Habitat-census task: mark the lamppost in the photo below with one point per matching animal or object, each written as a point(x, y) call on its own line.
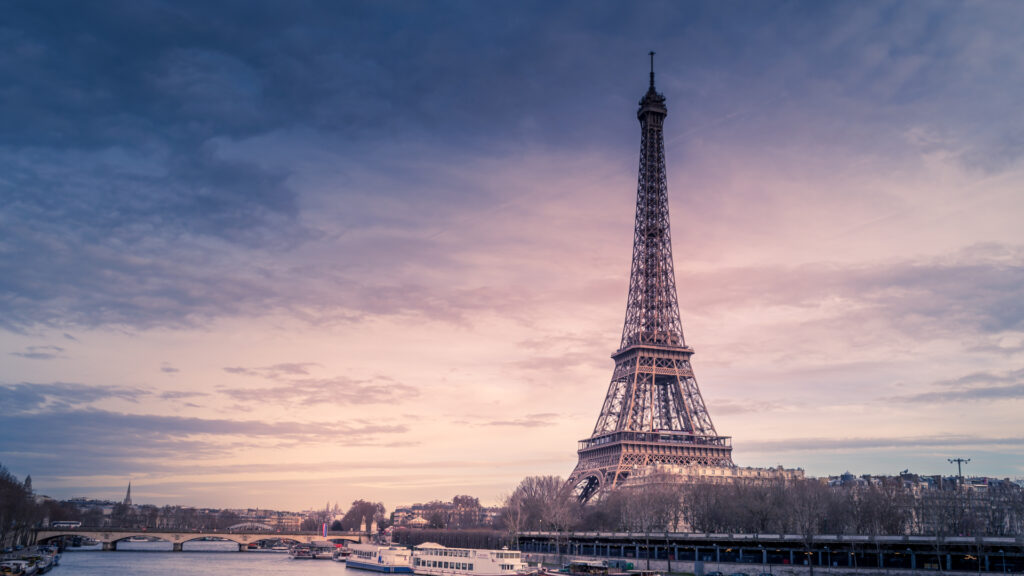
point(829, 552)
point(718, 559)
point(976, 559)
point(761, 548)
point(1002, 553)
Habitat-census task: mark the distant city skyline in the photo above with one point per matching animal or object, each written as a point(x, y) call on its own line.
point(274, 256)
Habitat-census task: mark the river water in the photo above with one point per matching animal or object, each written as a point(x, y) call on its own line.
point(197, 559)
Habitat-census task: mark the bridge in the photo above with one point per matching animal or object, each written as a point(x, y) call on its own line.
point(110, 537)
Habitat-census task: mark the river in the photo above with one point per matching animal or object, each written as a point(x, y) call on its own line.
point(197, 558)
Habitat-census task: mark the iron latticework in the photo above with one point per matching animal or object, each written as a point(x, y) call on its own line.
point(653, 412)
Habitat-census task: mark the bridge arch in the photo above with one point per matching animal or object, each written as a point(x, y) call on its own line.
point(252, 526)
point(58, 536)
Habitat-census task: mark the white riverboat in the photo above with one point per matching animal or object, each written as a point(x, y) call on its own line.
point(389, 559)
point(431, 559)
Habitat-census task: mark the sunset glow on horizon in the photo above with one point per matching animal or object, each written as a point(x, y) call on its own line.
point(258, 256)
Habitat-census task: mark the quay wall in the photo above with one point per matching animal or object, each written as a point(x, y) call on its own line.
point(687, 566)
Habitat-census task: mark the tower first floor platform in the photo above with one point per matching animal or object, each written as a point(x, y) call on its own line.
point(608, 460)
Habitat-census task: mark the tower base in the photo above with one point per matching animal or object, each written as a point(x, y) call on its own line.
point(608, 460)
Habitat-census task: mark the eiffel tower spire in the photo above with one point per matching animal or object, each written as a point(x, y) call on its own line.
point(652, 309)
point(653, 412)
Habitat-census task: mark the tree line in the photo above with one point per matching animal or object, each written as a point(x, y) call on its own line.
point(884, 506)
point(807, 507)
point(20, 512)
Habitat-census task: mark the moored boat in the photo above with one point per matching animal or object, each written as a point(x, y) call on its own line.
point(341, 554)
point(431, 559)
point(18, 567)
point(41, 563)
point(301, 552)
point(312, 551)
point(585, 568)
point(53, 552)
point(389, 559)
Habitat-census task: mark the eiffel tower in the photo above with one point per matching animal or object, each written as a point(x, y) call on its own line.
point(653, 412)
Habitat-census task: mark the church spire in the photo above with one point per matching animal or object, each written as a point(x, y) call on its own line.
point(128, 495)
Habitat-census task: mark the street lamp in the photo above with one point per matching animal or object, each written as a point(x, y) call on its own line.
point(1003, 554)
point(829, 552)
point(978, 560)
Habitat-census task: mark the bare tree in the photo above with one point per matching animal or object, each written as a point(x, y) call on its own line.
point(544, 503)
point(808, 507)
point(652, 506)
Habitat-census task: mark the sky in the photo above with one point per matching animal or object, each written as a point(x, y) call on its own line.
point(275, 254)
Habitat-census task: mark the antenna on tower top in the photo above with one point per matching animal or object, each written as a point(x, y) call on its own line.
point(652, 69)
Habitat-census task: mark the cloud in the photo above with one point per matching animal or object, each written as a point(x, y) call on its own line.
point(977, 394)
point(180, 394)
point(880, 443)
point(274, 372)
point(40, 441)
point(160, 191)
point(984, 378)
point(973, 291)
point(168, 369)
point(973, 387)
point(527, 421)
point(28, 398)
point(730, 407)
point(338, 390)
point(41, 353)
point(295, 388)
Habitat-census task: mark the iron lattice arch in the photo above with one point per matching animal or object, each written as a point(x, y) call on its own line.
point(653, 412)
